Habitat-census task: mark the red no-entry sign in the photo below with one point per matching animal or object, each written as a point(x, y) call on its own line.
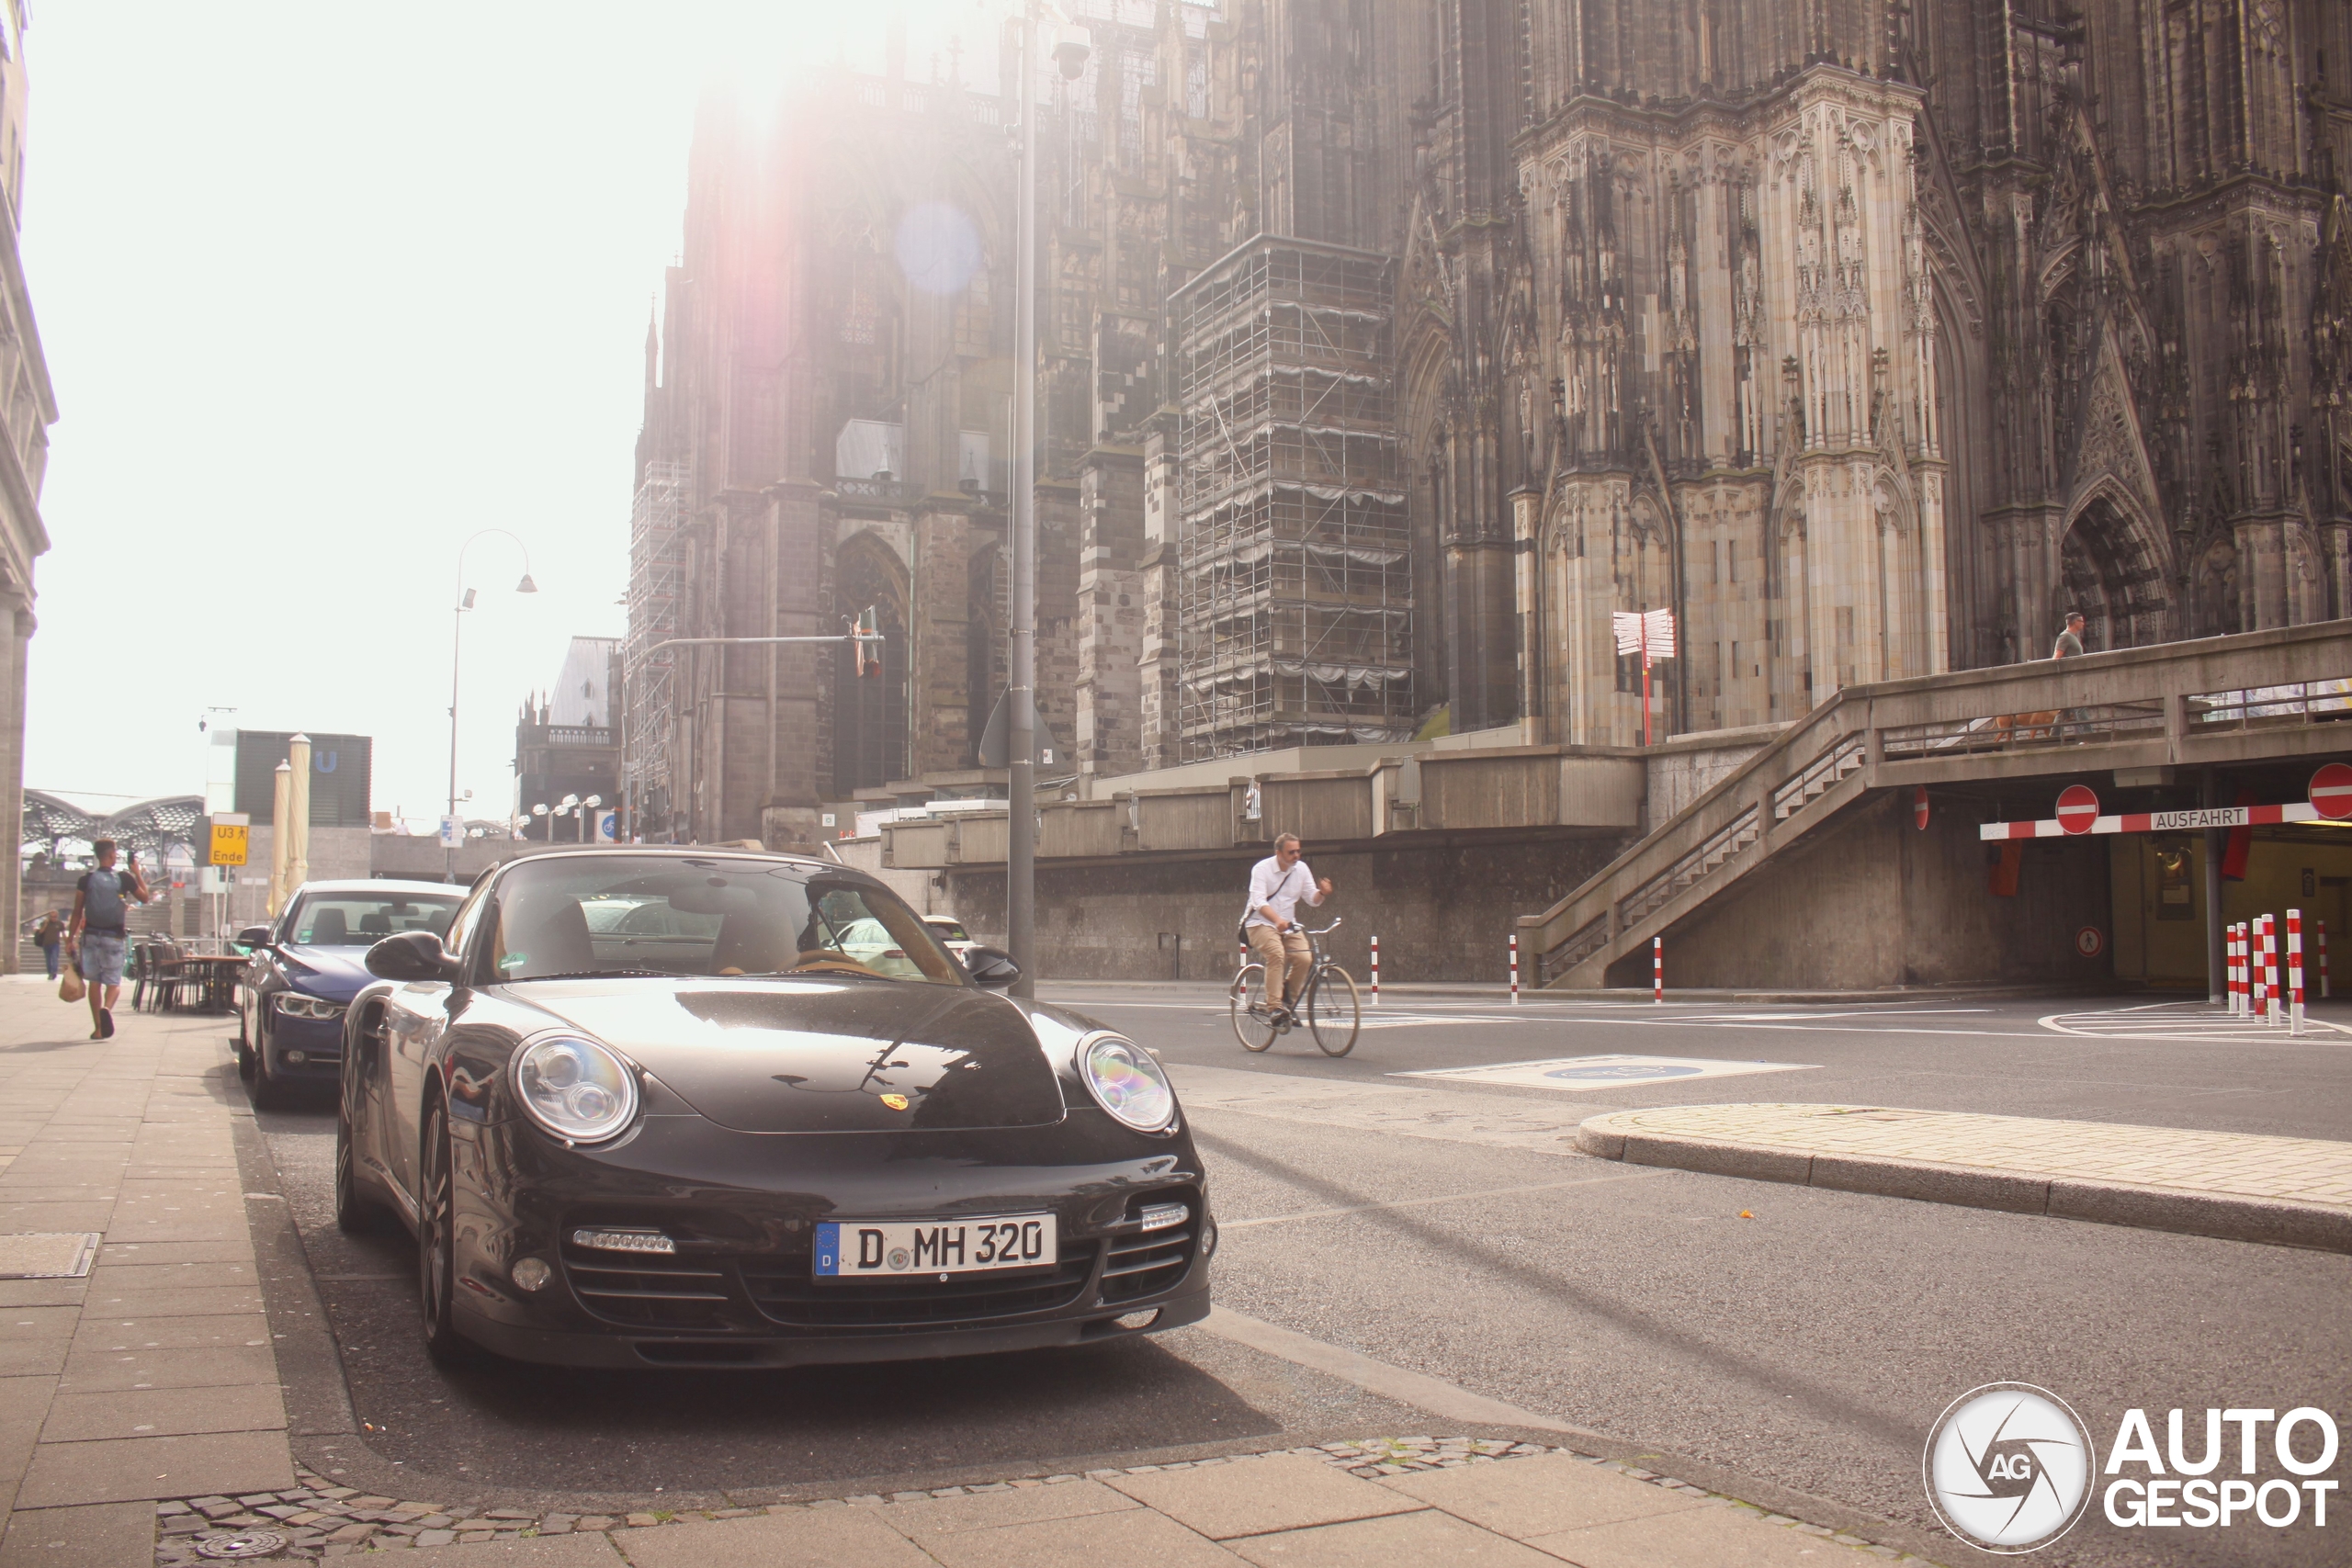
point(2077, 809)
point(1919, 806)
point(2332, 791)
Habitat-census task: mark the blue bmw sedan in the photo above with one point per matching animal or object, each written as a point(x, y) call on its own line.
point(308, 964)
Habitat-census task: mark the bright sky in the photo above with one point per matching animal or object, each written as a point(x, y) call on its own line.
point(324, 289)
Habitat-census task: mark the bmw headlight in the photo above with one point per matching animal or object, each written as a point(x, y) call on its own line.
point(1126, 1081)
point(294, 1004)
point(575, 1088)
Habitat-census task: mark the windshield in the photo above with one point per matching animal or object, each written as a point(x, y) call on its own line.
point(362, 920)
point(948, 929)
point(615, 914)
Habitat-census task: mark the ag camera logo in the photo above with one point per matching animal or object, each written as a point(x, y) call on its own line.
point(2008, 1467)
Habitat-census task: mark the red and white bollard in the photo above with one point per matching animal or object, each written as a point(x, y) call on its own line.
point(1657, 970)
point(2254, 967)
point(2324, 988)
point(2294, 971)
point(1376, 971)
point(2274, 1001)
point(2236, 945)
point(1514, 968)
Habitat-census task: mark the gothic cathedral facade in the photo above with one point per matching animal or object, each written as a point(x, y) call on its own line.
point(1389, 348)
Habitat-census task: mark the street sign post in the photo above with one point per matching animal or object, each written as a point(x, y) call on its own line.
point(453, 832)
point(2077, 809)
point(230, 833)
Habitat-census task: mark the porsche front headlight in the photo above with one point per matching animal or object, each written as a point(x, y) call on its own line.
point(575, 1088)
point(1126, 1081)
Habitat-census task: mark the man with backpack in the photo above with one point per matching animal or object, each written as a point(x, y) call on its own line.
point(96, 937)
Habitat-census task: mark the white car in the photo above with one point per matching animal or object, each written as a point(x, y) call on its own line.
point(951, 936)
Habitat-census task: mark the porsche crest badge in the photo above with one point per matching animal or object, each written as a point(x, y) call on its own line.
point(895, 1102)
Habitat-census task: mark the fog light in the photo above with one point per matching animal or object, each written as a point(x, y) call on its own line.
point(296, 1058)
point(625, 1241)
point(531, 1273)
point(1208, 1239)
point(1137, 1319)
point(1159, 1217)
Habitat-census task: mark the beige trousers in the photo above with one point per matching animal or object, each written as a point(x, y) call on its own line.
point(1282, 954)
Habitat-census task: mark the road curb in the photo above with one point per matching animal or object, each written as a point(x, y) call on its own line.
point(2224, 1216)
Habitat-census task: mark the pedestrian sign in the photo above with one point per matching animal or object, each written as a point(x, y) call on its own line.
point(229, 836)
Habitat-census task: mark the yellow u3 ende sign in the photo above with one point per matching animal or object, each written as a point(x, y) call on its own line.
point(229, 830)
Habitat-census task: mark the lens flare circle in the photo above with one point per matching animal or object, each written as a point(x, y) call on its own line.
point(938, 247)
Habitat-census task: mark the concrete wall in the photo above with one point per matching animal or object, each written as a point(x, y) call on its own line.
point(1690, 765)
point(1443, 912)
point(1870, 900)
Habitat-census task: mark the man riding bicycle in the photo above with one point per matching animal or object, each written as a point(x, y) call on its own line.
point(1270, 927)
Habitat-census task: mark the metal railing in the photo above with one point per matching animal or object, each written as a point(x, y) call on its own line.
point(2214, 699)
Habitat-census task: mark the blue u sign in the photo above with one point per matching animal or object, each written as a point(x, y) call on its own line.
point(324, 761)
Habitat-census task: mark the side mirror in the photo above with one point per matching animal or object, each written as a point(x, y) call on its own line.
point(412, 955)
point(991, 969)
point(254, 936)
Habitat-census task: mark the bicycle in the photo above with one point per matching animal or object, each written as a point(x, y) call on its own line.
point(1327, 1003)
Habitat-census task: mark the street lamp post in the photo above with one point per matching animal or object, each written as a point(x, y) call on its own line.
point(457, 647)
point(1021, 698)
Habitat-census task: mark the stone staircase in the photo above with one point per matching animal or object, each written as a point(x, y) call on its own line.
point(2275, 694)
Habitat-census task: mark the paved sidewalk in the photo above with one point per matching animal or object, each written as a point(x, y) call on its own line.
point(152, 1376)
point(1401, 1503)
point(2238, 1186)
point(142, 1415)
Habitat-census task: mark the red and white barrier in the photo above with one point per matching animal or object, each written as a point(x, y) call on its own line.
point(2254, 967)
point(1514, 968)
point(2274, 1011)
point(1376, 971)
point(2295, 970)
point(2323, 988)
point(1657, 970)
point(2236, 945)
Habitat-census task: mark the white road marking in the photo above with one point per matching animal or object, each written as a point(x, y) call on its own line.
point(1574, 1074)
point(1419, 1390)
point(2196, 1022)
point(1494, 1121)
point(1449, 1198)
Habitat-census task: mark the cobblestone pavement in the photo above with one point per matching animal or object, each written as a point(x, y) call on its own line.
point(1291, 1502)
point(2303, 1170)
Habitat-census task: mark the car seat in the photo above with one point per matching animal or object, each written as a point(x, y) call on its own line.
point(550, 934)
point(329, 930)
point(375, 923)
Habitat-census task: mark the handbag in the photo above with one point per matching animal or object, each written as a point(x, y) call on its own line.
point(70, 987)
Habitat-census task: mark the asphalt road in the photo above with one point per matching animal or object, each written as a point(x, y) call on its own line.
point(1809, 1347)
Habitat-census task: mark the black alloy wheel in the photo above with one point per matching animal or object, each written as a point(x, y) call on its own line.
point(353, 1214)
point(436, 1261)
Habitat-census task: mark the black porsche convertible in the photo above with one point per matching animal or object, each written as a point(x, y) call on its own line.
point(656, 1107)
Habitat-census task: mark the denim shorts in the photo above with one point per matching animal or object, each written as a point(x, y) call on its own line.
point(101, 960)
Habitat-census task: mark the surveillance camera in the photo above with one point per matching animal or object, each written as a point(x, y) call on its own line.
point(1071, 57)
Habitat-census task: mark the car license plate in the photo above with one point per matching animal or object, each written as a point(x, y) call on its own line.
point(847, 1249)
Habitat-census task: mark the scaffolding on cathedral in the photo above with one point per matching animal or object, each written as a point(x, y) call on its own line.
point(1294, 590)
point(656, 581)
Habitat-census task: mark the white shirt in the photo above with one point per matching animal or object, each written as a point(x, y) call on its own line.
point(1269, 884)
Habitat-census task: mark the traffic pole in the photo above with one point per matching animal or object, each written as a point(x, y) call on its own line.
point(2230, 970)
point(2325, 990)
point(2274, 1001)
point(1514, 968)
point(2237, 970)
point(2253, 929)
point(1657, 970)
point(2294, 971)
point(1376, 971)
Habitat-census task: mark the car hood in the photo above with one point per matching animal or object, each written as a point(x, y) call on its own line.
point(818, 1055)
point(333, 972)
